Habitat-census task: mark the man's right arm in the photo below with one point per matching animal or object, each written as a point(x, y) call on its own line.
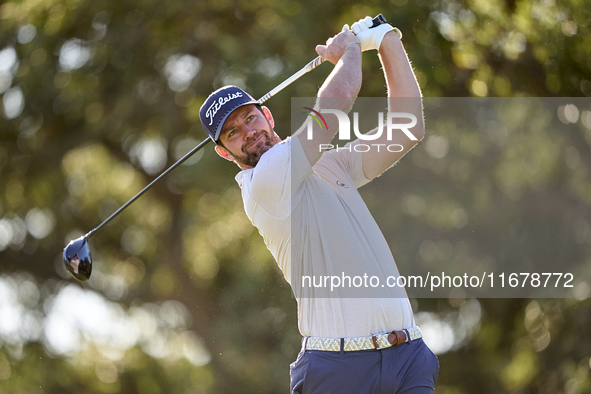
point(338, 91)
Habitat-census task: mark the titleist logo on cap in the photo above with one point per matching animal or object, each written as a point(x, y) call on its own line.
point(216, 105)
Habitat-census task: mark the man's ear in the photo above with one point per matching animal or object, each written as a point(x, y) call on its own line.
point(220, 150)
point(268, 115)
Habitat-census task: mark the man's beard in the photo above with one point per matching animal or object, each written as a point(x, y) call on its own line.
point(251, 159)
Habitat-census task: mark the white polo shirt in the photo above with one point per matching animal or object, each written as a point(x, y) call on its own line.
point(318, 228)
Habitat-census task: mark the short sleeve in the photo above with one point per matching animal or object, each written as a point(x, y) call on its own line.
point(348, 159)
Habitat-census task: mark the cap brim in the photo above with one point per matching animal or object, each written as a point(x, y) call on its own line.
point(221, 124)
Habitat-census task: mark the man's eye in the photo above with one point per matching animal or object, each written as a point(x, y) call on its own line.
point(251, 117)
point(231, 133)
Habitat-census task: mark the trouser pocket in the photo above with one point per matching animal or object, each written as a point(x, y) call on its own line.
point(297, 373)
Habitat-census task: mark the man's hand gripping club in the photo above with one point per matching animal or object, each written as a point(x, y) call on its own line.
point(336, 46)
point(371, 37)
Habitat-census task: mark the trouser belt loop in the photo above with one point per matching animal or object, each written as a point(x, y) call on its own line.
point(407, 335)
point(375, 342)
point(342, 345)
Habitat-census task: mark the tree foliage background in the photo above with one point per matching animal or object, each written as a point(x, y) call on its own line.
point(98, 97)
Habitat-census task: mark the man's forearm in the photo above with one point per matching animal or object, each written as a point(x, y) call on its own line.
point(345, 78)
point(338, 93)
point(401, 81)
point(404, 95)
point(398, 72)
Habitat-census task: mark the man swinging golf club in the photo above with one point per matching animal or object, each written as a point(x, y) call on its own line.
point(305, 203)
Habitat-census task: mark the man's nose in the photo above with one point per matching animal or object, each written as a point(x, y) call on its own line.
point(248, 131)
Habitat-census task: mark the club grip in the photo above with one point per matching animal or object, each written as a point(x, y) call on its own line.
point(378, 20)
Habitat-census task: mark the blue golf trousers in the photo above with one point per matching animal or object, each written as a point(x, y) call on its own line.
point(409, 368)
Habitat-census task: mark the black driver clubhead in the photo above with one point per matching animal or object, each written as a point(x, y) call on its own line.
point(77, 259)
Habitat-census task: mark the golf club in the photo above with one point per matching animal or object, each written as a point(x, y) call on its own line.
point(77, 258)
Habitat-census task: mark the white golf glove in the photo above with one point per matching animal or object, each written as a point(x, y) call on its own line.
point(370, 37)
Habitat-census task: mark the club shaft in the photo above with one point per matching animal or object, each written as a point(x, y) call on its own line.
point(307, 68)
point(378, 20)
point(310, 66)
point(145, 189)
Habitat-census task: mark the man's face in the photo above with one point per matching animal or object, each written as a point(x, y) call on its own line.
point(246, 135)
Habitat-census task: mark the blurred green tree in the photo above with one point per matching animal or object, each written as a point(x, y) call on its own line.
point(99, 97)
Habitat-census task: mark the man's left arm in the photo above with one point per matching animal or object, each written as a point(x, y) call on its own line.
point(404, 95)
